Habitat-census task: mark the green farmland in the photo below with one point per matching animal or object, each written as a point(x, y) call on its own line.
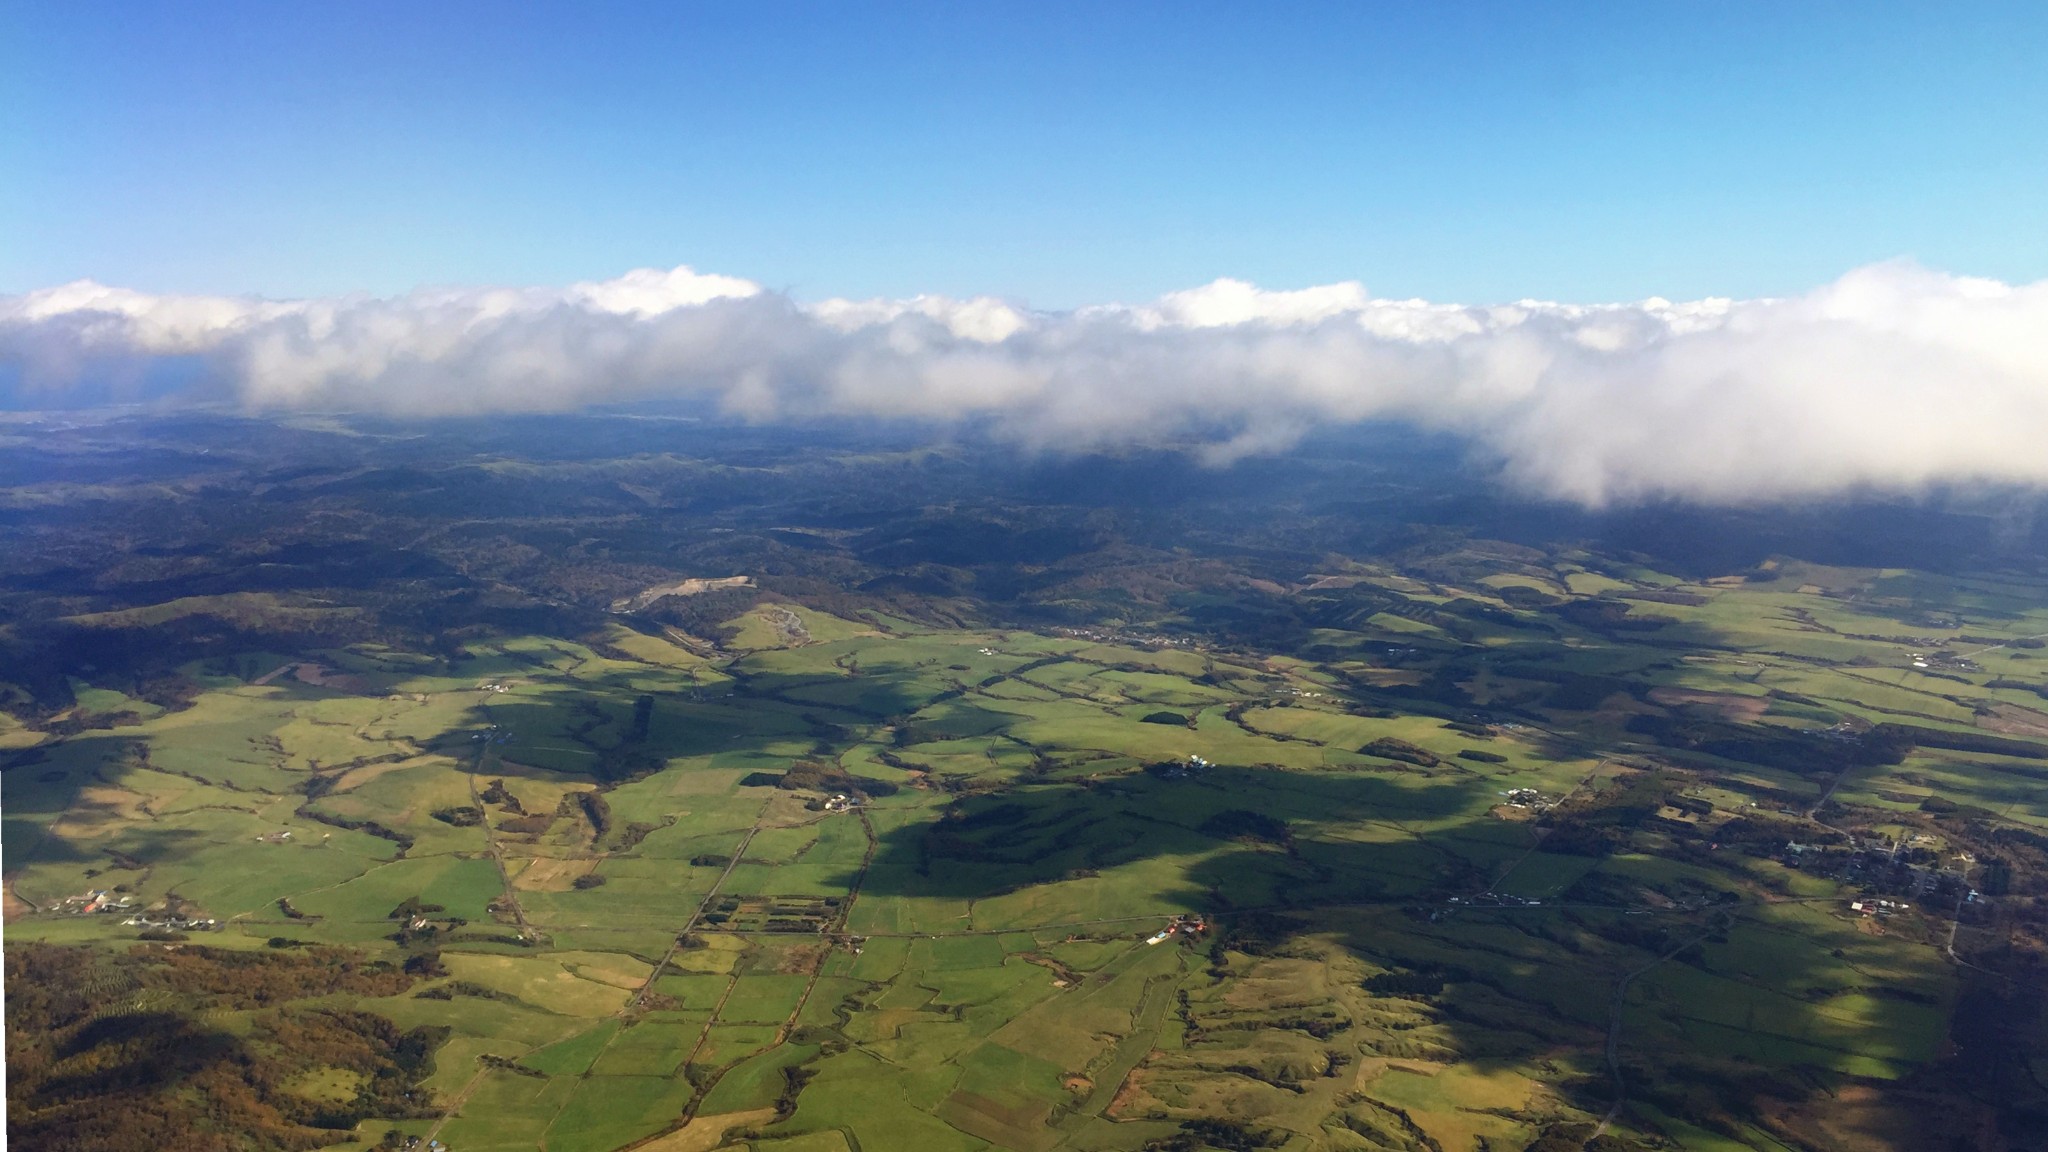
point(866, 885)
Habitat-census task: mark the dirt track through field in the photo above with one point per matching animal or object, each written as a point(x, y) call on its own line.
point(511, 895)
point(1541, 833)
point(738, 854)
point(1619, 1004)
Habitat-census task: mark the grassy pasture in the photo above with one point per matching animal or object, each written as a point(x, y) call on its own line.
point(604, 1112)
point(762, 999)
point(544, 981)
point(652, 1047)
point(755, 1082)
point(573, 1056)
point(505, 1110)
point(462, 886)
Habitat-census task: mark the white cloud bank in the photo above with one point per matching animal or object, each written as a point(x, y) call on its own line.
point(1893, 377)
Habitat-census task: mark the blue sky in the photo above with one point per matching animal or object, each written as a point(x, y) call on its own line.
point(1053, 154)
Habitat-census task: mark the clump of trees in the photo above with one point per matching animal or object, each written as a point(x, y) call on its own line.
point(1389, 748)
point(813, 776)
point(1903, 736)
point(1598, 824)
point(412, 906)
point(227, 978)
point(1204, 1133)
point(84, 1075)
point(1416, 984)
point(498, 794)
point(633, 833)
point(593, 805)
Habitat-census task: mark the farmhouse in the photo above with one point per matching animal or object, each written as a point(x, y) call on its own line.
point(1189, 924)
point(98, 900)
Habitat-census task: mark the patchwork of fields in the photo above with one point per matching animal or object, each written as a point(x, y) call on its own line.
point(866, 885)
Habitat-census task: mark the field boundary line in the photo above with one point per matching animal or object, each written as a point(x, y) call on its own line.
point(697, 1094)
point(676, 944)
point(491, 846)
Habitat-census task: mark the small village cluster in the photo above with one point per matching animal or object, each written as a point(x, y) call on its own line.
point(1906, 867)
point(1112, 636)
point(1497, 899)
point(1942, 661)
point(101, 902)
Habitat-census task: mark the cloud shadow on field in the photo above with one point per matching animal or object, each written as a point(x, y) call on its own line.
point(997, 843)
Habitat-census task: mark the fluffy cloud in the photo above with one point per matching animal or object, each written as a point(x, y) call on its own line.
point(1893, 377)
